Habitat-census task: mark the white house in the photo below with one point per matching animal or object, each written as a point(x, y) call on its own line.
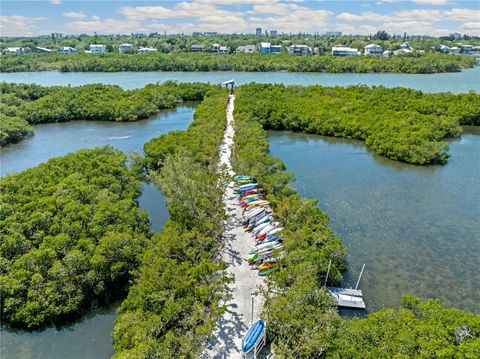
point(246, 48)
point(125, 48)
point(402, 51)
point(344, 51)
point(299, 50)
point(220, 49)
point(144, 50)
point(406, 46)
point(66, 50)
point(96, 49)
point(467, 49)
point(14, 50)
point(387, 53)
point(445, 49)
point(373, 50)
point(268, 48)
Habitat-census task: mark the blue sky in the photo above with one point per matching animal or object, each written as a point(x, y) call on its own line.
point(432, 17)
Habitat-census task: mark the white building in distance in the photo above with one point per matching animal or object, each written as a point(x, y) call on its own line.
point(125, 48)
point(344, 51)
point(373, 50)
point(67, 50)
point(97, 49)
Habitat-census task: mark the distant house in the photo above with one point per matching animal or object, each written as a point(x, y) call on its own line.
point(125, 48)
point(220, 49)
point(373, 50)
point(467, 49)
point(97, 49)
point(387, 53)
point(454, 50)
point(299, 50)
point(14, 50)
point(196, 48)
point(66, 50)
point(42, 49)
point(344, 51)
point(402, 51)
point(406, 46)
point(445, 49)
point(246, 49)
point(268, 48)
point(144, 50)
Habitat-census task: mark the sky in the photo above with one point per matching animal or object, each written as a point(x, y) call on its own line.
point(416, 17)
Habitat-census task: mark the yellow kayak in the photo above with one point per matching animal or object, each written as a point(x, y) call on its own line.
point(260, 202)
point(267, 266)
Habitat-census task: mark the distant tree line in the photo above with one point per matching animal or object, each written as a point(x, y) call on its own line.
point(114, 62)
point(398, 123)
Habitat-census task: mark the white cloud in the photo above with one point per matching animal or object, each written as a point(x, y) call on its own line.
point(74, 15)
point(55, 2)
point(463, 14)
point(16, 25)
point(431, 2)
point(419, 14)
point(95, 17)
point(366, 16)
point(472, 26)
point(104, 26)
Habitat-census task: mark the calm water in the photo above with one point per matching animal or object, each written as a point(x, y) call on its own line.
point(89, 338)
point(454, 82)
point(415, 228)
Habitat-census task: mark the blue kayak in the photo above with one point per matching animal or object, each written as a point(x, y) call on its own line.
point(253, 335)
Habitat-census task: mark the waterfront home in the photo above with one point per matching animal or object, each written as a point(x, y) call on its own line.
point(125, 48)
point(402, 51)
point(467, 49)
point(14, 50)
point(344, 51)
point(196, 48)
point(220, 49)
point(299, 50)
point(445, 49)
point(406, 46)
point(246, 49)
point(97, 49)
point(454, 50)
point(66, 50)
point(144, 50)
point(268, 48)
point(373, 50)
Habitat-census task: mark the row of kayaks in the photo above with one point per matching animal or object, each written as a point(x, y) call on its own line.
point(260, 222)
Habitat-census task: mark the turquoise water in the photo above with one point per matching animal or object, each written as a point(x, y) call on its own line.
point(416, 228)
point(454, 82)
point(90, 337)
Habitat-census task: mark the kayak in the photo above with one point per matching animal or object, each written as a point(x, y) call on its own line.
point(255, 212)
point(272, 244)
point(258, 228)
point(267, 229)
point(260, 202)
point(264, 266)
point(254, 333)
point(265, 272)
point(273, 231)
point(249, 196)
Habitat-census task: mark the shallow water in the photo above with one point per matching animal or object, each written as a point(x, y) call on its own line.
point(416, 228)
point(454, 82)
point(91, 336)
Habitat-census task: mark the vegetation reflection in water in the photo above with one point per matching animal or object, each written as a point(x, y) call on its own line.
point(415, 227)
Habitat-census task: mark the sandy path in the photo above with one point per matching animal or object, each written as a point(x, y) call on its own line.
point(233, 325)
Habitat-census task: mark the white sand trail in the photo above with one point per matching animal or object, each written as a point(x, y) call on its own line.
point(233, 325)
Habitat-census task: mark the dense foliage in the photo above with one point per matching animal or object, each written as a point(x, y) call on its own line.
point(71, 233)
point(32, 104)
point(302, 320)
point(415, 330)
point(301, 317)
point(173, 306)
point(12, 97)
point(401, 124)
point(113, 62)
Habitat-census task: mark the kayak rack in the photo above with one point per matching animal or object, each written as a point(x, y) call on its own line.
point(255, 350)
